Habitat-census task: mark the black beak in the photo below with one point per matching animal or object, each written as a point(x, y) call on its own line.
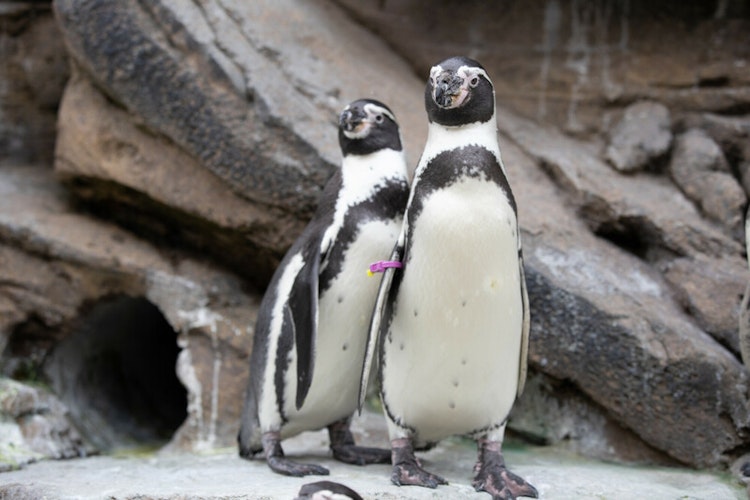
point(446, 86)
point(351, 118)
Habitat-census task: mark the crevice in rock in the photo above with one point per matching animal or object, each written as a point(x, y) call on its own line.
point(116, 374)
point(173, 229)
point(27, 346)
point(626, 234)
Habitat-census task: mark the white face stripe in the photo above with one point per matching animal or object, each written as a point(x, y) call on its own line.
point(435, 71)
point(465, 72)
point(371, 111)
point(469, 72)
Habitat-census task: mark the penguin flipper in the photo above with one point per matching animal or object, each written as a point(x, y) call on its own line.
point(373, 333)
point(523, 364)
point(302, 308)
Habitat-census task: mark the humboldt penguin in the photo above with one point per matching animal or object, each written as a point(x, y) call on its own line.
point(312, 325)
point(452, 323)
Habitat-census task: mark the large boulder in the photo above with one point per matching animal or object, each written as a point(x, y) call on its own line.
point(641, 137)
point(700, 169)
point(221, 119)
point(605, 319)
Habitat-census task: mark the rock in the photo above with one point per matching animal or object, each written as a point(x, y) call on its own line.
point(132, 175)
point(62, 271)
point(640, 137)
point(206, 131)
point(604, 319)
point(643, 213)
point(35, 425)
point(732, 134)
point(699, 168)
point(577, 65)
point(35, 69)
point(708, 290)
point(246, 136)
point(555, 413)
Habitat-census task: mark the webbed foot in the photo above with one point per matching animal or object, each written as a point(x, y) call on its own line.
point(361, 455)
point(407, 469)
point(494, 478)
point(280, 464)
point(344, 449)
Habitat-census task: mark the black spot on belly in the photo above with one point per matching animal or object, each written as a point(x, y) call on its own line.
point(463, 304)
point(416, 313)
point(340, 299)
point(455, 382)
point(451, 405)
point(345, 347)
point(463, 361)
point(401, 346)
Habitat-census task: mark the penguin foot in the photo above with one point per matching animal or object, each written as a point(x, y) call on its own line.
point(494, 478)
point(361, 455)
point(280, 464)
point(407, 469)
point(344, 449)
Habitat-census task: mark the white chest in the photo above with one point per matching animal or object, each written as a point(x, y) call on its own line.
point(452, 352)
point(344, 316)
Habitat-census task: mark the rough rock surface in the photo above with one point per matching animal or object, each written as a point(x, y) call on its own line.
point(577, 65)
point(33, 74)
point(252, 108)
point(699, 168)
point(59, 265)
point(640, 137)
point(35, 425)
point(194, 140)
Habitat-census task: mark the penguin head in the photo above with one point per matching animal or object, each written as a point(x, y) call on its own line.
point(459, 92)
point(366, 126)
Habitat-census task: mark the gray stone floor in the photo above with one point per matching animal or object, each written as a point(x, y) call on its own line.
point(557, 474)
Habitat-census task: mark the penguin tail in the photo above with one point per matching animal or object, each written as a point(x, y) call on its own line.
point(248, 450)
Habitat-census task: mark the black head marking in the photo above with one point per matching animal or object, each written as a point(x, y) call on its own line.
point(459, 92)
point(366, 126)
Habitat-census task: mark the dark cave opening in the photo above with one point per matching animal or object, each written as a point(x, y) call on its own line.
point(116, 373)
point(630, 235)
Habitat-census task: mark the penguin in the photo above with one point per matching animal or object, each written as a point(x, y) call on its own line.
point(326, 490)
point(312, 324)
point(744, 316)
point(452, 323)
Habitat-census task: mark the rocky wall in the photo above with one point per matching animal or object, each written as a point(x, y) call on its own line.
point(193, 140)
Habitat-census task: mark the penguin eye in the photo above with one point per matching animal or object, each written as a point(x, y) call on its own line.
point(474, 81)
point(379, 118)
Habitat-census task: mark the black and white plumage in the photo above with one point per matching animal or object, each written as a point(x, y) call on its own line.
point(453, 323)
point(312, 325)
point(327, 490)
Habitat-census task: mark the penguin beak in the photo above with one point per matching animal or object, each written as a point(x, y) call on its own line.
point(353, 123)
point(449, 90)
